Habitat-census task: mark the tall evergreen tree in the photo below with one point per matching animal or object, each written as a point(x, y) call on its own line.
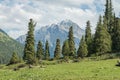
point(47, 52)
point(71, 42)
point(110, 20)
point(82, 50)
point(96, 37)
point(116, 36)
point(88, 37)
point(14, 59)
point(109, 15)
point(29, 50)
point(40, 51)
point(102, 39)
point(105, 22)
point(107, 9)
point(57, 51)
point(65, 49)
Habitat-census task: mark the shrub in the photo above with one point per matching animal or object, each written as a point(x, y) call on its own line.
point(76, 60)
point(21, 66)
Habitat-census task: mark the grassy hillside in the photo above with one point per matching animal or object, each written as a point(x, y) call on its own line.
point(7, 46)
point(84, 70)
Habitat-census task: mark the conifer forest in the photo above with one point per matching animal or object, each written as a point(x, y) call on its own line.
point(63, 51)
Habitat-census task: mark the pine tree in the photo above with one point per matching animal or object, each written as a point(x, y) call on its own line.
point(109, 15)
point(88, 38)
point(105, 22)
point(29, 50)
point(65, 49)
point(57, 51)
point(47, 52)
point(96, 36)
point(71, 43)
point(107, 9)
point(102, 39)
point(116, 36)
point(14, 59)
point(82, 50)
point(40, 51)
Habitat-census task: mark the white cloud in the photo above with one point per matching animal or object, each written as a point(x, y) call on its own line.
point(15, 14)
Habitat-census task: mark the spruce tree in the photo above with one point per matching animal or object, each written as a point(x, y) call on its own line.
point(82, 50)
point(102, 39)
point(71, 43)
point(40, 51)
point(109, 15)
point(57, 51)
point(47, 52)
point(88, 38)
point(29, 49)
point(65, 49)
point(14, 59)
point(96, 36)
point(107, 9)
point(116, 36)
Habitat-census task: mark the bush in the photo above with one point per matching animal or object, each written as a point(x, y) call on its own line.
point(76, 60)
point(118, 63)
point(51, 59)
point(60, 61)
point(21, 66)
point(48, 63)
point(15, 69)
point(104, 56)
point(66, 59)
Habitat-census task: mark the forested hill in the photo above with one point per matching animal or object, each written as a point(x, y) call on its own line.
point(8, 46)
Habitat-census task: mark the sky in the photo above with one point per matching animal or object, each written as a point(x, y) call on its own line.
point(15, 14)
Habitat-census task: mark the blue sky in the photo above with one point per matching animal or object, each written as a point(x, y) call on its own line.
point(15, 14)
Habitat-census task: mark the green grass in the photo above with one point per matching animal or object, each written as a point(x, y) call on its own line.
point(84, 70)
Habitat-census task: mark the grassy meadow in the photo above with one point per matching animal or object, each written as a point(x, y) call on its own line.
point(83, 70)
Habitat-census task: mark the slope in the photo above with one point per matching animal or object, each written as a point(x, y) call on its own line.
point(7, 46)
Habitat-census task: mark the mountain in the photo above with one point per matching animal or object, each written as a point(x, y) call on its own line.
point(7, 46)
point(54, 31)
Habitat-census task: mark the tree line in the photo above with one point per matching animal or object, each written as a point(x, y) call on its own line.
point(105, 40)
